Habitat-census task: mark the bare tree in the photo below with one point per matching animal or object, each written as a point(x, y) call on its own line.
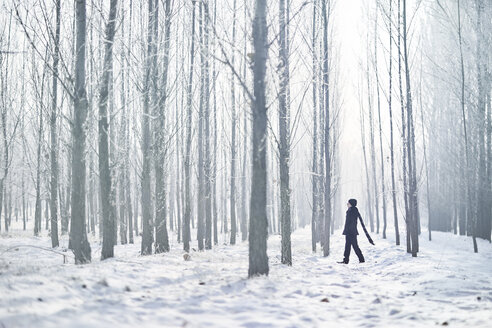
point(284, 143)
point(187, 164)
point(53, 133)
point(104, 170)
point(233, 134)
point(258, 224)
point(147, 235)
point(78, 234)
point(161, 236)
point(326, 11)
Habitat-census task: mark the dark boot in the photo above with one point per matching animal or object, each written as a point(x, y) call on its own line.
point(345, 261)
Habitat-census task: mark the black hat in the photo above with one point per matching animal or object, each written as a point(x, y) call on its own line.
point(353, 202)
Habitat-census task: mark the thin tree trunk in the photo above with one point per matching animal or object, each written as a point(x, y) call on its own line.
point(413, 197)
point(403, 127)
point(123, 206)
point(207, 155)
point(246, 118)
point(53, 132)
point(161, 235)
point(392, 155)
point(371, 145)
point(38, 209)
point(479, 227)
point(233, 134)
point(78, 235)
point(315, 178)
point(258, 230)
point(383, 195)
point(104, 170)
point(147, 235)
point(214, 165)
point(201, 173)
point(326, 10)
point(284, 151)
point(187, 213)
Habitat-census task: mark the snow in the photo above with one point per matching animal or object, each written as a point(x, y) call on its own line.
point(447, 283)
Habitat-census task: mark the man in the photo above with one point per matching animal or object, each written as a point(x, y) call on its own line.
point(350, 232)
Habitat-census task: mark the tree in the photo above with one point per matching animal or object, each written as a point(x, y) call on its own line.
point(161, 236)
point(383, 194)
point(78, 234)
point(233, 134)
point(284, 143)
point(207, 155)
point(258, 223)
point(187, 164)
point(53, 133)
point(104, 170)
point(147, 235)
point(412, 216)
point(315, 178)
point(326, 11)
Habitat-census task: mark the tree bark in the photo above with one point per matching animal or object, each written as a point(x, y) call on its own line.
point(232, 198)
point(53, 133)
point(314, 174)
point(284, 151)
point(392, 151)
point(258, 229)
point(78, 235)
point(383, 194)
point(189, 99)
point(326, 10)
point(161, 235)
point(147, 234)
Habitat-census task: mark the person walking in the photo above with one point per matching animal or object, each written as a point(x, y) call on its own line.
point(350, 232)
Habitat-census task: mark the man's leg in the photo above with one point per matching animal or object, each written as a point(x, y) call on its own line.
point(357, 249)
point(346, 254)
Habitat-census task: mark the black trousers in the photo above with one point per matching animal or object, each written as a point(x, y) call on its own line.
point(351, 241)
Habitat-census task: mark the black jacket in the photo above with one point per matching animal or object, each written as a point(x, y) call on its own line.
point(351, 221)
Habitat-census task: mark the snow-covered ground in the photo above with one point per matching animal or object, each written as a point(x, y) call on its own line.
point(446, 285)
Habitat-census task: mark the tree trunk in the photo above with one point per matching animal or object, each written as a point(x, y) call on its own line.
point(53, 133)
point(258, 230)
point(314, 173)
point(383, 194)
point(78, 235)
point(161, 235)
point(38, 209)
point(284, 145)
point(214, 164)
point(104, 170)
point(392, 151)
point(413, 196)
point(122, 167)
point(147, 235)
point(403, 127)
point(201, 170)
point(206, 145)
point(246, 118)
point(233, 134)
point(189, 99)
point(326, 9)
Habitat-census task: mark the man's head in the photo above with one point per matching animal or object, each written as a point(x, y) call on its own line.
point(352, 202)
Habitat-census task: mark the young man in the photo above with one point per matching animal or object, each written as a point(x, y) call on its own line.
point(350, 232)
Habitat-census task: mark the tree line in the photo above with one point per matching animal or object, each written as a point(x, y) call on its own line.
point(188, 121)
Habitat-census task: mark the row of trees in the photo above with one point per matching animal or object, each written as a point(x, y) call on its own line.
point(162, 118)
point(199, 108)
point(439, 150)
point(457, 118)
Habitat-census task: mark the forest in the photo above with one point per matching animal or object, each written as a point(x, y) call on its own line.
point(195, 157)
